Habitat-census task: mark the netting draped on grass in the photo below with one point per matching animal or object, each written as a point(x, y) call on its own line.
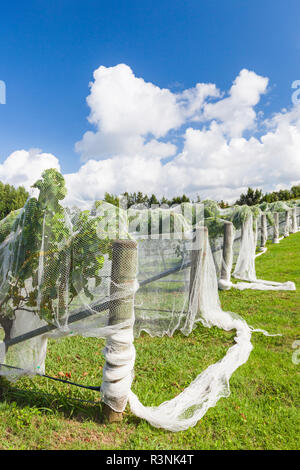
point(250, 227)
point(245, 266)
point(112, 273)
point(199, 303)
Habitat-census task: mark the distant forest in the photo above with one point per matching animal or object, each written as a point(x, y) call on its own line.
point(251, 197)
point(12, 198)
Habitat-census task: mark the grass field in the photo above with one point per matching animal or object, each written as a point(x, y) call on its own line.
point(262, 412)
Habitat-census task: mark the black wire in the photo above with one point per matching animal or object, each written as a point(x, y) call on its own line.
point(89, 387)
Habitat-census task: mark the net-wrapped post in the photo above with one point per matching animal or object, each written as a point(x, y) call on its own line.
point(196, 258)
point(264, 231)
point(255, 223)
point(228, 237)
point(286, 224)
point(119, 351)
point(294, 220)
point(6, 324)
point(276, 228)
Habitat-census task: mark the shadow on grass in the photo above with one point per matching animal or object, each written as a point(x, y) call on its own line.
point(70, 407)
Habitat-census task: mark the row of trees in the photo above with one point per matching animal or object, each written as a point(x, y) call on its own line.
point(12, 198)
point(251, 198)
point(256, 196)
point(140, 198)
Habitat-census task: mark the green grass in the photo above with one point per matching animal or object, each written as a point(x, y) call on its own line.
point(262, 411)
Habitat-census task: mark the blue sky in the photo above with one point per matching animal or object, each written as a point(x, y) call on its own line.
point(49, 51)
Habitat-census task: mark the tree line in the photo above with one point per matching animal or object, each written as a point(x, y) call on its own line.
point(12, 198)
point(253, 197)
point(140, 198)
point(250, 198)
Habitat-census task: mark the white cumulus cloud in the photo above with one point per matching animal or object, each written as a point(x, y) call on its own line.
point(200, 141)
point(24, 167)
point(236, 112)
point(130, 115)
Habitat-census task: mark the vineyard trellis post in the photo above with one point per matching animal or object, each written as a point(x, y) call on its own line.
point(227, 254)
point(276, 228)
point(294, 220)
point(123, 281)
point(286, 224)
point(195, 260)
point(264, 231)
point(198, 254)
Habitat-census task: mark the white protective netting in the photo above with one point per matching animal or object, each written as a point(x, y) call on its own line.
point(200, 303)
point(245, 265)
point(251, 228)
point(109, 273)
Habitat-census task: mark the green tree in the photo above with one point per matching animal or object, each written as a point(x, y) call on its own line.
point(180, 199)
point(111, 199)
point(165, 201)
point(295, 191)
point(251, 198)
point(11, 199)
point(153, 200)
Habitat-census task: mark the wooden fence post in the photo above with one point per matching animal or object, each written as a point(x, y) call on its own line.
point(224, 282)
point(123, 279)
